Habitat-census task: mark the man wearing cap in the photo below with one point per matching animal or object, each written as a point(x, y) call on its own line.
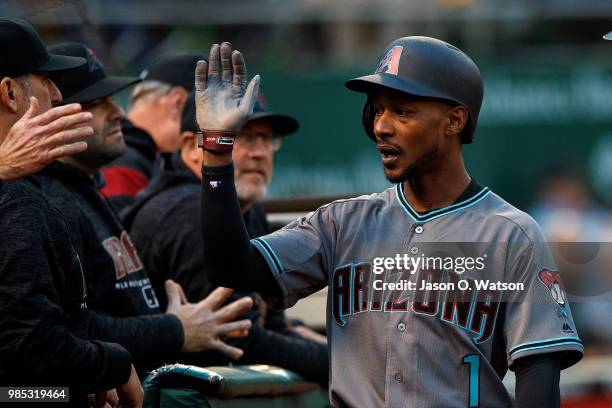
point(24, 149)
point(119, 289)
point(153, 126)
point(165, 228)
point(42, 291)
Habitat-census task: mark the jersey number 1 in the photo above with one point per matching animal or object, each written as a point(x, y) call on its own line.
point(473, 360)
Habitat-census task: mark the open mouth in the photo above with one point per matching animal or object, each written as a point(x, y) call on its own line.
point(388, 153)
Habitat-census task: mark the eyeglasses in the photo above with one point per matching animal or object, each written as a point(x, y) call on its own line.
point(249, 140)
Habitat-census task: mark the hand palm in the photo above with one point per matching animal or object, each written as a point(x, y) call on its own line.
point(223, 100)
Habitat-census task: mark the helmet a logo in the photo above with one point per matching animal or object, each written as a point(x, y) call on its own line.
point(389, 64)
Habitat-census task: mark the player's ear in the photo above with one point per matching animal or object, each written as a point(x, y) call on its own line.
point(177, 96)
point(189, 144)
point(9, 94)
point(457, 118)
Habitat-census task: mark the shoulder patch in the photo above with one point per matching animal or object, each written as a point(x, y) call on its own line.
point(554, 284)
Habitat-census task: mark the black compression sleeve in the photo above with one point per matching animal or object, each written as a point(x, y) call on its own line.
point(537, 381)
point(228, 255)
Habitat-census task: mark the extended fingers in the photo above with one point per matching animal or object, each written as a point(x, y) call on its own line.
point(234, 328)
point(240, 72)
point(250, 96)
point(226, 61)
point(75, 120)
point(73, 134)
point(214, 63)
point(217, 297)
point(172, 294)
point(201, 72)
point(233, 352)
point(66, 150)
point(184, 300)
point(56, 113)
point(234, 309)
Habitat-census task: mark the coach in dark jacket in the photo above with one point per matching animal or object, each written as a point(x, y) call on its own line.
point(42, 293)
point(165, 227)
point(127, 309)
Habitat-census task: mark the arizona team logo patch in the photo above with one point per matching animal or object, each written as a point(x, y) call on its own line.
point(552, 281)
point(390, 62)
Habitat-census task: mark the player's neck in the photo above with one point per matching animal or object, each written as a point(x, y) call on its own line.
point(436, 189)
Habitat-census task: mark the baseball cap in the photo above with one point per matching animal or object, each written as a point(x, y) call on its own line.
point(89, 81)
point(282, 125)
point(23, 51)
point(174, 69)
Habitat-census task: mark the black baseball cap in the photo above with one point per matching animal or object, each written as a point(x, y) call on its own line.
point(23, 51)
point(88, 82)
point(174, 69)
point(282, 125)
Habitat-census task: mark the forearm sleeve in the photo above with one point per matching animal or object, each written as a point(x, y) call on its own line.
point(537, 381)
point(229, 257)
point(147, 338)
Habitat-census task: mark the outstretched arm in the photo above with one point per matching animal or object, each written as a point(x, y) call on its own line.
point(223, 104)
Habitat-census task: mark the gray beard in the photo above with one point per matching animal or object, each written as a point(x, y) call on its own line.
point(250, 194)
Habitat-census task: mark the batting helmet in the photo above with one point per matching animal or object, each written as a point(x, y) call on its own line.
point(426, 67)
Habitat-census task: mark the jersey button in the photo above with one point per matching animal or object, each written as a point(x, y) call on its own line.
point(418, 229)
point(401, 327)
point(414, 250)
point(399, 377)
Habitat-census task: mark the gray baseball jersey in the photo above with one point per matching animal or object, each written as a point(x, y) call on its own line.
point(484, 293)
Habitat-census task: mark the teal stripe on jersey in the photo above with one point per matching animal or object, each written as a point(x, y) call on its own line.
point(534, 345)
point(399, 192)
point(269, 252)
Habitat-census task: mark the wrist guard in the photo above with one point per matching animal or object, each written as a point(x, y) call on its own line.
point(216, 141)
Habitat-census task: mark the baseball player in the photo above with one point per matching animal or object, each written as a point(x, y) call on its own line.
point(402, 331)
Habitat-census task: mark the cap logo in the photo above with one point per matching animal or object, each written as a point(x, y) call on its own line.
point(390, 62)
point(93, 63)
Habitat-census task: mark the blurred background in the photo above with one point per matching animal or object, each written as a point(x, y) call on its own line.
point(547, 71)
point(544, 141)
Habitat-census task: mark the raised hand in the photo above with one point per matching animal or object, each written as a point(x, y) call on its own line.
point(224, 101)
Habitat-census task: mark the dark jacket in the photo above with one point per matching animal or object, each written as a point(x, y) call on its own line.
point(43, 303)
point(117, 283)
point(129, 174)
point(165, 227)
